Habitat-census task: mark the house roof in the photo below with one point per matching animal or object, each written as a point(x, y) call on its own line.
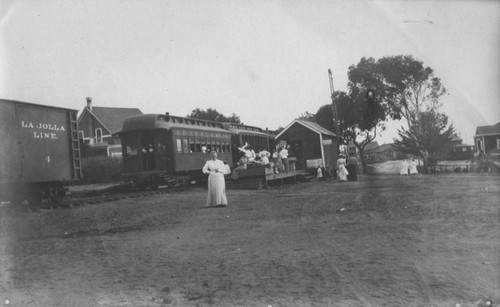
point(310, 125)
point(370, 147)
point(488, 130)
point(456, 138)
point(384, 148)
point(112, 118)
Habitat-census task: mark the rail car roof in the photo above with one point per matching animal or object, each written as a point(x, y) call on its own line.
point(244, 129)
point(35, 104)
point(168, 122)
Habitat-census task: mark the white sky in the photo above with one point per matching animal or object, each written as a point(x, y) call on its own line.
point(266, 61)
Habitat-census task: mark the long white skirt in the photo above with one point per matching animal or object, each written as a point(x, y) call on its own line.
point(404, 170)
point(342, 173)
point(413, 170)
point(216, 190)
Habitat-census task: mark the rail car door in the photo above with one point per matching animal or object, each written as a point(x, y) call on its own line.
point(130, 150)
point(162, 153)
point(148, 152)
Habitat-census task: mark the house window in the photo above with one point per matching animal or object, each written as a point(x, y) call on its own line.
point(479, 147)
point(81, 136)
point(98, 135)
point(498, 143)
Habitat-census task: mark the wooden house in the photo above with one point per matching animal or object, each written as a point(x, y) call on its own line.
point(96, 126)
point(487, 139)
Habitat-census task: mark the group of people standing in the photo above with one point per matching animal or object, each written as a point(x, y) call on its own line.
point(409, 167)
point(347, 168)
point(278, 160)
point(216, 169)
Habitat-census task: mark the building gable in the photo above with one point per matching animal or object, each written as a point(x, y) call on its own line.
point(488, 130)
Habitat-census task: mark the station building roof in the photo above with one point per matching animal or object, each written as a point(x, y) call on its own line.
point(310, 125)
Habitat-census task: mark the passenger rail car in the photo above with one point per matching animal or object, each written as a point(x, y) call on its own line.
point(169, 150)
point(241, 134)
point(40, 151)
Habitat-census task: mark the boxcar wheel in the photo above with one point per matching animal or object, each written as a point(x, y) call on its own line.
point(56, 194)
point(57, 199)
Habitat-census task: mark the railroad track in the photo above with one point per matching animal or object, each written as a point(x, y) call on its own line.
point(93, 197)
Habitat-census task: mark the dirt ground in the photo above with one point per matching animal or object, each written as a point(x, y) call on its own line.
point(381, 241)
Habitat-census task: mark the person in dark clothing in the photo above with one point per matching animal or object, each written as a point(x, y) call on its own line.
point(352, 167)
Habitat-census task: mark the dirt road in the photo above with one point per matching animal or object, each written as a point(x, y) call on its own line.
point(381, 241)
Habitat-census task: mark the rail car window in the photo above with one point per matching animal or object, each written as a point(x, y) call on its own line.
point(203, 146)
point(198, 146)
point(179, 145)
point(160, 147)
point(219, 149)
point(132, 150)
point(192, 147)
point(228, 148)
point(185, 146)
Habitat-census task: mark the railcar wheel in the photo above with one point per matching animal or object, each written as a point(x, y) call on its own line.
point(57, 199)
point(56, 195)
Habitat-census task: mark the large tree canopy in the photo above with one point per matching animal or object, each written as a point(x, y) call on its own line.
point(405, 87)
point(214, 115)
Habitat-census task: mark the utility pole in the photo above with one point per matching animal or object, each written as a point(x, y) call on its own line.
point(334, 109)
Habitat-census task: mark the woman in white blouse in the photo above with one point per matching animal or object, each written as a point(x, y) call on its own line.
point(216, 183)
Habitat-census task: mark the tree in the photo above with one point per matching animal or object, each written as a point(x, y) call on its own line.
point(214, 115)
point(307, 116)
point(408, 90)
point(324, 117)
point(403, 85)
point(360, 117)
point(428, 137)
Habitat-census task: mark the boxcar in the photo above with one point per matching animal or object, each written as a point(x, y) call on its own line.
point(40, 151)
point(162, 149)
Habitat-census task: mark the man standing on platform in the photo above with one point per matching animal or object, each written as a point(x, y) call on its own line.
point(284, 157)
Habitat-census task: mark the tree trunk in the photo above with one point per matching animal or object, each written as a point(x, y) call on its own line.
point(363, 159)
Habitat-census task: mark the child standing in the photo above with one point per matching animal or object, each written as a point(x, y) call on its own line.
point(319, 174)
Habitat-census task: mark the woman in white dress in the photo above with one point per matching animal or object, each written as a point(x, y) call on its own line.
point(216, 183)
point(404, 168)
point(413, 167)
point(341, 170)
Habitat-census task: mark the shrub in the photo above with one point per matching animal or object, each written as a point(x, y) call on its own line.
point(101, 169)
